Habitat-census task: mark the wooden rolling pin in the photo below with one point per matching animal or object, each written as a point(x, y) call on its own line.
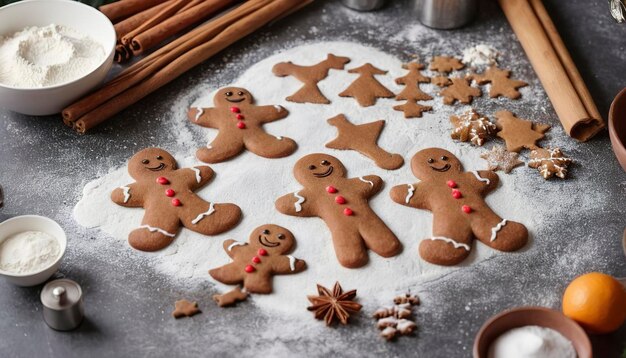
point(554, 67)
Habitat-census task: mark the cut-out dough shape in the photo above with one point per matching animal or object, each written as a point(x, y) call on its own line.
point(519, 133)
point(501, 84)
point(460, 90)
point(446, 64)
point(366, 88)
point(412, 92)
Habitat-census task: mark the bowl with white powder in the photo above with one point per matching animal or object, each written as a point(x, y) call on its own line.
point(31, 248)
point(531, 332)
point(52, 52)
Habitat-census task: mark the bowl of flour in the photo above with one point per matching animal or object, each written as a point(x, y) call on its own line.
point(52, 52)
point(31, 249)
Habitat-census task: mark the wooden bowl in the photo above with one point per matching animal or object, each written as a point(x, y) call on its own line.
point(617, 127)
point(531, 316)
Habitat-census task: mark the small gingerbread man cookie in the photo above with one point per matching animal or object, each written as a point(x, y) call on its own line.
point(343, 204)
point(254, 263)
point(460, 214)
point(167, 195)
point(240, 125)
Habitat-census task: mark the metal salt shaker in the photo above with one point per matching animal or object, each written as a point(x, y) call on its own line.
point(364, 5)
point(445, 14)
point(62, 304)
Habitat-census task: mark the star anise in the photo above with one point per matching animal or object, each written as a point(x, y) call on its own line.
point(335, 305)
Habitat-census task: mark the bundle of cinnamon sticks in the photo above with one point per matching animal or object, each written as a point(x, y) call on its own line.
point(170, 61)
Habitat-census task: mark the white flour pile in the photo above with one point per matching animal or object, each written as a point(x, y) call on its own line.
point(46, 56)
point(480, 55)
point(254, 183)
point(28, 252)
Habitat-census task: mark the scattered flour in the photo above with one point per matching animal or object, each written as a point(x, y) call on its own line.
point(46, 56)
point(28, 252)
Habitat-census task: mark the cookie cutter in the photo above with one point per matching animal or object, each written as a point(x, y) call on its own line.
point(445, 14)
point(364, 5)
point(618, 10)
point(63, 308)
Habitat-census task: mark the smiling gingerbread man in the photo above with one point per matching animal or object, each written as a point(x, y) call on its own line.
point(343, 204)
point(166, 194)
point(460, 214)
point(255, 262)
point(240, 125)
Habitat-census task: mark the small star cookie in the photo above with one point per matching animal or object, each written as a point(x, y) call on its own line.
point(185, 308)
point(519, 133)
point(498, 158)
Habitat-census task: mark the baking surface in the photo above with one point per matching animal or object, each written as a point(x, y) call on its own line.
point(44, 166)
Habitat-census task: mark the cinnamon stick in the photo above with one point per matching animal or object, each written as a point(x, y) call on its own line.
point(150, 38)
point(188, 60)
point(565, 88)
point(124, 8)
point(165, 13)
point(127, 25)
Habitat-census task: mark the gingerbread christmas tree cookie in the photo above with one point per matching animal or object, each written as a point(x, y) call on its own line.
point(310, 76)
point(501, 84)
point(240, 125)
point(363, 138)
point(366, 88)
point(519, 133)
point(460, 90)
point(412, 93)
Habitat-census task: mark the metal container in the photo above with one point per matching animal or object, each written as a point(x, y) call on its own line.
point(62, 304)
point(364, 5)
point(445, 14)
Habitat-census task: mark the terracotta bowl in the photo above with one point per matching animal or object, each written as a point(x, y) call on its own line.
point(617, 127)
point(531, 316)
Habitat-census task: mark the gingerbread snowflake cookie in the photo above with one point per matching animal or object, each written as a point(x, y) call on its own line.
point(501, 84)
point(549, 162)
point(397, 320)
point(240, 125)
point(456, 199)
point(255, 262)
point(167, 195)
point(343, 204)
point(472, 127)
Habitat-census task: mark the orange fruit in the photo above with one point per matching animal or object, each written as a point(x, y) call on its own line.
point(596, 301)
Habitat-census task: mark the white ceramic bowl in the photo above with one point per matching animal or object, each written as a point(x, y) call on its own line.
point(81, 17)
point(23, 223)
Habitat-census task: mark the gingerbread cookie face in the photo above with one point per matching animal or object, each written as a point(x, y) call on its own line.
point(255, 262)
point(167, 195)
point(240, 125)
point(343, 204)
point(456, 199)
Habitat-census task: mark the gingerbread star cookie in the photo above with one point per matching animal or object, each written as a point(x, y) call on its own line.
point(446, 64)
point(472, 127)
point(412, 92)
point(549, 162)
point(460, 90)
point(184, 308)
point(498, 158)
point(501, 84)
point(519, 133)
point(366, 88)
point(363, 138)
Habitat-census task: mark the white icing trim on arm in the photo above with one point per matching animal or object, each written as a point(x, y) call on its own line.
point(495, 229)
point(236, 243)
point(202, 215)
point(126, 190)
point(485, 180)
point(199, 113)
point(197, 171)
point(292, 262)
point(371, 183)
point(153, 229)
point(298, 204)
point(450, 241)
point(409, 193)
point(278, 107)
point(279, 137)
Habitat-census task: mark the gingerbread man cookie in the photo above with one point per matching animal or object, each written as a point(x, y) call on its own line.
point(167, 195)
point(239, 122)
point(254, 263)
point(460, 214)
point(343, 204)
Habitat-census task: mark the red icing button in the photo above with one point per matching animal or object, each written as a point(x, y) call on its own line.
point(466, 209)
point(170, 193)
point(176, 202)
point(457, 194)
point(256, 260)
point(262, 252)
point(241, 125)
point(235, 109)
point(348, 212)
point(340, 199)
point(250, 269)
point(162, 180)
point(451, 183)
point(239, 116)
point(331, 189)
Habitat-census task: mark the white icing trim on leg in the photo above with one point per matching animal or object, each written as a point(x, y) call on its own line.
point(198, 177)
point(153, 229)
point(485, 180)
point(298, 204)
point(199, 114)
point(495, 229)
point(126, 190)
point(202, 215)
point(209, 146)
point(409, 193)
point(292, 262)
point(279, 137)
point(450, 241)
point(278, 107)
point(236, 243)
point(371, 183)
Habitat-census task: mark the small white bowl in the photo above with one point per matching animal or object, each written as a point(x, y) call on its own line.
point(23, 223)
point(81, 17)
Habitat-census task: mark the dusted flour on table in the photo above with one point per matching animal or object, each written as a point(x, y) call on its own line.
point(45, 56)
point(28, 252)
